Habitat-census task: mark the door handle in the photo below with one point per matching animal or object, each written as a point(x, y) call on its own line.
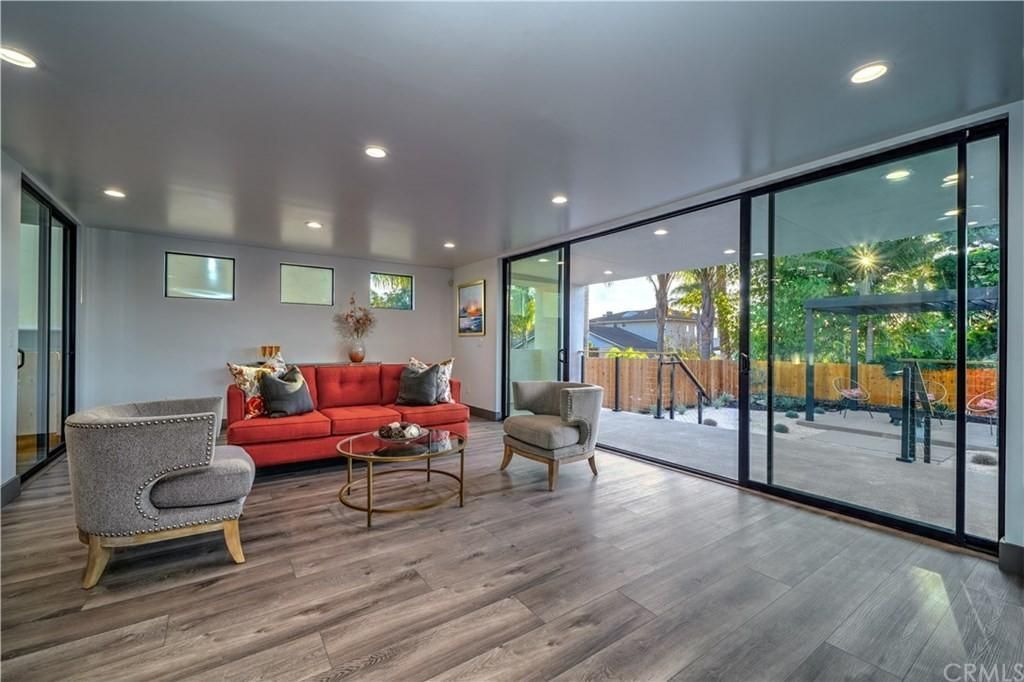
point(21, 358)
point(744, 363)
point(562, 356)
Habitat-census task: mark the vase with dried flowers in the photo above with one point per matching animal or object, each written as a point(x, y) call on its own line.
point(353, 325)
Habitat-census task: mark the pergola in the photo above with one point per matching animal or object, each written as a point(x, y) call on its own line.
point(942, 300)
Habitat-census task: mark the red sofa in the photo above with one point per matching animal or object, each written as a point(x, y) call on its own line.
point(347, 400)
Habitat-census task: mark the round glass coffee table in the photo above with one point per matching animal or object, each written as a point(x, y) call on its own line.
point(367, 447)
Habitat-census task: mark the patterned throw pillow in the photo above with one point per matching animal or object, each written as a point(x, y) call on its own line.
point(444, 377)
point(248, 379)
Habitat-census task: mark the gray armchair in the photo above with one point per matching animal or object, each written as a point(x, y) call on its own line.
point(145, 472)
point(562, 428)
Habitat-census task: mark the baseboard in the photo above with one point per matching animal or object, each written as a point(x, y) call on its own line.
point(10, 490)
point(484, 414)
point(1011, 558)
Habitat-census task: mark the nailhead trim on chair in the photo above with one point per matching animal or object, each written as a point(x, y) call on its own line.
point(170, 527)
point(138, 494)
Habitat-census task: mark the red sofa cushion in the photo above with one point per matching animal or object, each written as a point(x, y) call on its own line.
point(433, 415)
point(309, 374)
point(359, 418)
point(348, 385)
point(267, 430)
point(390, 377)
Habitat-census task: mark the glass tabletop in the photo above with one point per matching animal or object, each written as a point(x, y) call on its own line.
point(433, 443)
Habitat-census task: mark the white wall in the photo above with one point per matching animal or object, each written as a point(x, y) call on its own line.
point(1015, 333)
point(135, 344)
point(478, 358)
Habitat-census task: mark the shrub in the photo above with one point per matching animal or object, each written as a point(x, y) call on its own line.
point(723, 399)
point(985, 459)
point(780, 428)
point(792, 414)
point(819, 410)
point(710, 422)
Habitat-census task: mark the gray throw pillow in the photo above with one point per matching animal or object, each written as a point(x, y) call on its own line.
point(418, 388)
point(286, 395)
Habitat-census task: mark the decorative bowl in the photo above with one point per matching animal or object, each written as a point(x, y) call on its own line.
point(401, 432)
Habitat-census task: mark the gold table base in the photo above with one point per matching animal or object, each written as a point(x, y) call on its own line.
point(345, 493)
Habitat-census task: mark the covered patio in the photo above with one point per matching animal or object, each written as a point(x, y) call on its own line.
point(853, 459)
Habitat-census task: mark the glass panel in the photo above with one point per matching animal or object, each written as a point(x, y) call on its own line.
point(864, 338)
point(534, 319)
point(983, 274)
point(391, 291)
point(31, 419)
point(663, 298)
point(307, 284)
point(191, 276)
point(56, 349)
point(759, 424)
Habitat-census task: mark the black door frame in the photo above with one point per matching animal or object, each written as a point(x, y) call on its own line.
point(997, 127)
point(506, 283)
point(68, 315)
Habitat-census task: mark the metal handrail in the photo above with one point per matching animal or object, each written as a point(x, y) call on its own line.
point(702, 394)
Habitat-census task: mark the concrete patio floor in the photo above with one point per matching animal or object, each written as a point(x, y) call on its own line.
point(852, 459)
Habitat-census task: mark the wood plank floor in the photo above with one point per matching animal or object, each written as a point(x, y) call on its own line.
point(638, 574)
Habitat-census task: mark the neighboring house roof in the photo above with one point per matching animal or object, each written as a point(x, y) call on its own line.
point(648, 315)
point(623, 338)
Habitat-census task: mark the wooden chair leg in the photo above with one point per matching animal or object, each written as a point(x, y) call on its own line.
point(234, 541)
point(593, 463)
point(507, 458)
point(552, 475)
point(96, 563)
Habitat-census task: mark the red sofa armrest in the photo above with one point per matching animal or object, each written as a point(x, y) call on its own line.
point(456, 390)
point(236, 405)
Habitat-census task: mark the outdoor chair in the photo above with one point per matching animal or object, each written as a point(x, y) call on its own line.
point(986, 406)
point(850, 392)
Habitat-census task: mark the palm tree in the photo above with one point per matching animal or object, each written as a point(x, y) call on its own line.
point(707, 283)
point(662, 286)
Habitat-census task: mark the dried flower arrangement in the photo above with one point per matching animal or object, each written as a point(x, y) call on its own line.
point(356, 322)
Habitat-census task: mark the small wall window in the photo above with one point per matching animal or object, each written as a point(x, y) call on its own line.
point(188, 275)
point(391, 291)
point(307, 284)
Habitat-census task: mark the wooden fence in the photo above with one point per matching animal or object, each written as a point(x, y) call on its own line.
point(639, 381)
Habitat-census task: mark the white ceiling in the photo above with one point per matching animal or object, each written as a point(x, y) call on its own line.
point(240, 121)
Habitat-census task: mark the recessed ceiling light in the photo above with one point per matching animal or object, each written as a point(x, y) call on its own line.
point(314, 225)
point(543, 260)
point(661, 232)
point(608, 272)
point(449, 245)
point(951, 178)
point(559, 199)
point(897, 175)
point(17, 57)
point(113, 192)
point(868, 73)
point(972, 223)
point(951, 212)
point(729, 252)
point(375, 151)
point(758, 253)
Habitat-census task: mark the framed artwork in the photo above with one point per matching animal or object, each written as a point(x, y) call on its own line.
point(470, 309)
point(388, 290)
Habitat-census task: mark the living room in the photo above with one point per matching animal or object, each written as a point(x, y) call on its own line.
point(320, 286)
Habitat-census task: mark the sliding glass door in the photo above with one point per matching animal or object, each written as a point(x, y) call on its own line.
point(655, 320)
point(875, 298)
point(45, 299)
point(836, 338)
point(535, 348)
